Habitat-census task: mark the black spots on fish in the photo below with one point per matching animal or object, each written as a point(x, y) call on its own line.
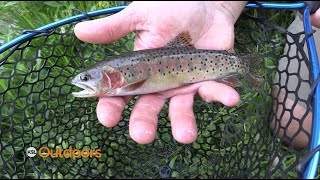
point(195, 67)
point(159, 70)
point(191, 59)
point(172, 69)
point(164, 74)
point(207, 71)
point(127, 68)
point(180, 66)
point(140, 72)
point(160, 62)
point(206, 59)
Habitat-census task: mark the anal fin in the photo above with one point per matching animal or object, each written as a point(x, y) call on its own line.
point(231, 80)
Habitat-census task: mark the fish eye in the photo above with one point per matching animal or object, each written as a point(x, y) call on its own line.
point(85, 77)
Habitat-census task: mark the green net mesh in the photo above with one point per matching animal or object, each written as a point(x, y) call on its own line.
point(250, 140)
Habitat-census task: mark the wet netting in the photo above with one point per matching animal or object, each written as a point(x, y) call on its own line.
point(265, 136)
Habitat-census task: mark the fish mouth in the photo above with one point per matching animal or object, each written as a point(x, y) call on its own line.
point(86, 92)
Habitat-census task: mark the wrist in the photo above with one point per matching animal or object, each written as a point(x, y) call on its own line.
point(233, 9)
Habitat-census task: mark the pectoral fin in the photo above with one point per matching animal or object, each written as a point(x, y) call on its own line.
point(133, 86)
point(182, 40)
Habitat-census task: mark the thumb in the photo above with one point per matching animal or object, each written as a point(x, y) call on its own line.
point(108, 29)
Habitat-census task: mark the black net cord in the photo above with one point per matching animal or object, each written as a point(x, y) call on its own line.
point(232, 141)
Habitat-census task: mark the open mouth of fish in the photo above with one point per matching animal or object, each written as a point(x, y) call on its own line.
point(86, 92)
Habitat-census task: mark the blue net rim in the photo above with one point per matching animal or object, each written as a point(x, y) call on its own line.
point(311, 169)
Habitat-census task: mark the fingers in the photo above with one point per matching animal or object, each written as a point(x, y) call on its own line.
point(314, 18)
point(183, 124)
point(144, 118)
point(209, 91)
point(214, 91)
point(109, 110)
point(108, 29)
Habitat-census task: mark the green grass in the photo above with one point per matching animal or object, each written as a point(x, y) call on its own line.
point(37, 109)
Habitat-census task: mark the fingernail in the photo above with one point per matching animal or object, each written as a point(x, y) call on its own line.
point(232, 100)
point(185, 136)
point(143, 132)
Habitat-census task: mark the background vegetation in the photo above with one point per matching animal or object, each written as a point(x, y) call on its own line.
point(37, 108)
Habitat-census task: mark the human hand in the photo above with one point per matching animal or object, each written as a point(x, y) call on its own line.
point(314, 18)
point(211, 26)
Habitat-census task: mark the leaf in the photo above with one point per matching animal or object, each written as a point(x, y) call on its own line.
point(53, 3)
point(172, 162)
point(11, 3)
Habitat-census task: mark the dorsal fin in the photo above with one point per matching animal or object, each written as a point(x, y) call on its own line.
point(182, 40)
point(232, 51)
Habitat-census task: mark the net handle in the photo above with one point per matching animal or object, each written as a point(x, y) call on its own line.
point(312, 166)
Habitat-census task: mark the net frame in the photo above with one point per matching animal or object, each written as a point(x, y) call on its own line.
point(310, 171)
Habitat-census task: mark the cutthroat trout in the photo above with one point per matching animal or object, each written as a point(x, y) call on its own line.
point(175, 65)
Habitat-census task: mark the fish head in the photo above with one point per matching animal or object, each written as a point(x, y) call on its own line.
point(97, 82)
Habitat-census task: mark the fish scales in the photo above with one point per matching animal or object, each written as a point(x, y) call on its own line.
point(175, 67)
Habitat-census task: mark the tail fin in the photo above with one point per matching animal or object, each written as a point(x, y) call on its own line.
point(255, 63)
